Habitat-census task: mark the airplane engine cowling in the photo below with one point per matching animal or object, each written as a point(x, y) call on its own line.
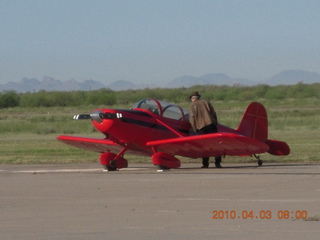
point(165, 160)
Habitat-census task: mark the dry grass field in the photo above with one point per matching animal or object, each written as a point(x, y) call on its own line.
point(28, 135)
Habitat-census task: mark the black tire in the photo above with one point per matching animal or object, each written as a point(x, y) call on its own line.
point(161, 167)
point(112, 166)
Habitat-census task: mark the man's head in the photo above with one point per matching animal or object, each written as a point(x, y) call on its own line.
point(194, 96)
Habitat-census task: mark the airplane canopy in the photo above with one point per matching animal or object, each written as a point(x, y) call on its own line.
point(163, 109)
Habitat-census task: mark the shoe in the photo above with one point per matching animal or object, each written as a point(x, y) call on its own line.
point(218, 165)
point(205, 167)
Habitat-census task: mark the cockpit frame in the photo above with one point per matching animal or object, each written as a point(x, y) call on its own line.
point(163, 109)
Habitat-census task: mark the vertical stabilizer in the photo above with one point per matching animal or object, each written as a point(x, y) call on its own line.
point(254, 122)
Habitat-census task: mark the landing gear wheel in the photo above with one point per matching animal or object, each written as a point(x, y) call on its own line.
point(112, 166)
point(165, 161)
point(161, 167)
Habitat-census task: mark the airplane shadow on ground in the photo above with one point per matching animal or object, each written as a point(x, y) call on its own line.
point(251, 166)
point(281, 169)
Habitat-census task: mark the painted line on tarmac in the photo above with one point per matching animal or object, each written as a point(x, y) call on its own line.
point(249, 200)
point(50, 171)
point(66, 170)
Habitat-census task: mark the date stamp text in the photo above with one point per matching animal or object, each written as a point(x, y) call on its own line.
point(262, 214)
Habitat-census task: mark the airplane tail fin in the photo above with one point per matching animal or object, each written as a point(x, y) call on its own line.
point(254, 122)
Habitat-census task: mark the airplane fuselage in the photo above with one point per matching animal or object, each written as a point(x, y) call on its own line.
point(134, 128)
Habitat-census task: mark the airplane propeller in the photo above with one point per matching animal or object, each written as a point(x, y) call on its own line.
point(97, 116)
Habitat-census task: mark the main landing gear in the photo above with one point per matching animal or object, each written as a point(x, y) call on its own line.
point(112, 162)
point(165, 161)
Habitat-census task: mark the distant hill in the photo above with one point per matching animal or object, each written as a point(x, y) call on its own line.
point(50, 84)
point(288, 77)
point(125, 85)
point(208, 79)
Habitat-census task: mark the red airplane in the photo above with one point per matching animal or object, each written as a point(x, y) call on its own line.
point(162, 130)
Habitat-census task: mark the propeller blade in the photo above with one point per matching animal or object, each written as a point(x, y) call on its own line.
point(96, 116)
point(81, 116)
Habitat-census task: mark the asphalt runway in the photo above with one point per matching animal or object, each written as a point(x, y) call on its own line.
point(239, 201)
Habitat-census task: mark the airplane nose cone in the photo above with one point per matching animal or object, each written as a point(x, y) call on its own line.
point(96, 116)
point(103, 119)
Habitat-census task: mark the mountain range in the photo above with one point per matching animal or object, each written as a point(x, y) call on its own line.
point(288, 77)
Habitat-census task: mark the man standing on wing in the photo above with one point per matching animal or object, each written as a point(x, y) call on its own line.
point(203, 119)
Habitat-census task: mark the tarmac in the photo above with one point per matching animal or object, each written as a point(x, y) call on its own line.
point(238, 201)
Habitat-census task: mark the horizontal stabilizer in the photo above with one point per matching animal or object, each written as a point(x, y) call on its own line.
point(278, 147)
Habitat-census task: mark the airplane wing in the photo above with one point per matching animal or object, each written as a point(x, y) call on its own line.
point(207, 145)
point(92, 144)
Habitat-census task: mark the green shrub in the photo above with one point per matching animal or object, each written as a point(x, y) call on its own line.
point(107, 97)
point(9, 99)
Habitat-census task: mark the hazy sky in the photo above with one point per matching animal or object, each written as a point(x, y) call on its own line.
point(156, 41)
